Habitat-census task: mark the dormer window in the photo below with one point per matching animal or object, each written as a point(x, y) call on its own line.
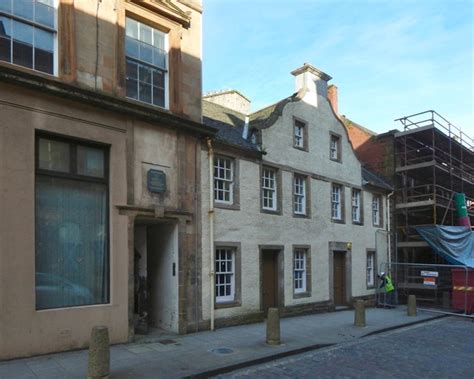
point(28, 34)
point(147, 63)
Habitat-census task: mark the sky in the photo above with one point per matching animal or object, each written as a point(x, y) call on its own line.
point(389, 59)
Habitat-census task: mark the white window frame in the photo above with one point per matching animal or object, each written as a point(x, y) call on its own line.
point(221, 276)
point(299, 270)
point(37, 25)
point(356, 205)
point(153, 67)
point(298, 131)
point(336, 202)
point(376, 200)
point(334, 146)
point(370, 266)
point(269, 189)
point(223, 184)
point(299, 195)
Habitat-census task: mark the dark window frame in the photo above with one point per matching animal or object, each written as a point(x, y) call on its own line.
point(338, 138)
point(341, 201)
point(236, 249)
point(361, 206)
point(304, 126)
point(74, 142)
point(374, 253)
point(308, 273)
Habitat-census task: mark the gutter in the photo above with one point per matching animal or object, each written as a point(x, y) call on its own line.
point(212, 272)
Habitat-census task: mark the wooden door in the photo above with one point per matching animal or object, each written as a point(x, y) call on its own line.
point(269, 280)
point(339, 278)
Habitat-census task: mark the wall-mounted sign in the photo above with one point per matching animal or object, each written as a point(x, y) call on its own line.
point(433, 274)
point(429, 281)
point(156, 181)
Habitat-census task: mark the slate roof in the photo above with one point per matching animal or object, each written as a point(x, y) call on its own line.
point(230, 125)
point(375, 180)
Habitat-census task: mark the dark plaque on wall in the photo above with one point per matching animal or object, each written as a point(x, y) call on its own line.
point(156, 181)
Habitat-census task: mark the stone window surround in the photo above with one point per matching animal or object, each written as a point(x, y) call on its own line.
point(340, 247)
point(374, 252)
point(361, 206)
point(381, 210)
point(280, 250)
point(309, 272)
point(307, 196)
point(237, 248)
point(305, 134)
point(343, 203)
point(339, 147)
point(278, 179)
point(235, 206)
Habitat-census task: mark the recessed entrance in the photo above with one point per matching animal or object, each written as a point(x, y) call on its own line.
point(156, 277)
point(270, 279)
point(339, 278)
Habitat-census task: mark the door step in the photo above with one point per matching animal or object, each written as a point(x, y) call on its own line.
point(340, 308)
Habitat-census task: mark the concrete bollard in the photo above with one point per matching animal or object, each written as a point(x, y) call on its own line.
point(411, 309)
point(359, 313)
point(273, 326)
point(99, 353)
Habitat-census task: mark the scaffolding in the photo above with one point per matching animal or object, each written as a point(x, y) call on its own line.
point(433, 160)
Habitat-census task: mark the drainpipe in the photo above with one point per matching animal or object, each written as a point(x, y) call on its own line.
point(211, 229)
point(389, 230)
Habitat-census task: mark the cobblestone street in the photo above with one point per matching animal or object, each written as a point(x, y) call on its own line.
point(441, 349)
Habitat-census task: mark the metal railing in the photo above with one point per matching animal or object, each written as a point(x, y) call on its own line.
point(438, 288)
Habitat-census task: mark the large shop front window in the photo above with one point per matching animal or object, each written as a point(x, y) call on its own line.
point(71, 217)
point(147, 63)
point(28, 30)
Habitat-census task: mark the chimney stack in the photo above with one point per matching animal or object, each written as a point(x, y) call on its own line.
point(312, 80)
point(332, 97)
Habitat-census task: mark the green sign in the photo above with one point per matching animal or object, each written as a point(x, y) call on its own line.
point(156, 181)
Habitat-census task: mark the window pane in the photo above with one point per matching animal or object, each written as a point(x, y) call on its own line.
point(131, 28)
point(54, 155)
point(131, 47)
point(44, 13)
point(90, 161)
point(71, 243)
point(5, 39)
point(145, 34)
point(146, 53)
point(44, 51)
point(6, 5)
point(144, 74)
point(158, 96)
point(132, 88)
point(23, 8)
point(159, 58)
point(144, 92)
point(132, 70)
point(22, 44)
point(159, 39)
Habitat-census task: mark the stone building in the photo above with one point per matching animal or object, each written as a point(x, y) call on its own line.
point(100, 134)
point(294, 221)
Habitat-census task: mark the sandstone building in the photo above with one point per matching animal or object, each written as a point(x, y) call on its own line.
point(100, 135)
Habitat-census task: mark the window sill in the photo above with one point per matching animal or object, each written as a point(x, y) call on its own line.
point(227, 304)
point(297, 215)
point(269, 211)
point(359, 223)
point(371, 287)
point(337, 221)
point(301, 295)
point(305, 149)
point(232, 207)
point(335, 160)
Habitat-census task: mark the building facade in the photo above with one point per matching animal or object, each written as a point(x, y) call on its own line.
point(293, 221)
point(100, 136)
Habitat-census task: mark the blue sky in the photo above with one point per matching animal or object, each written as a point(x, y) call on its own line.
point(388, 58)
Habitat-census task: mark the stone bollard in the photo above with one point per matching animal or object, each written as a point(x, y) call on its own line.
point(99, 353)
point(273, 326)
point(359, 313)
point(411, 309)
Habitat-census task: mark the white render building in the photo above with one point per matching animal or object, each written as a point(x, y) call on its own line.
point(294, 221)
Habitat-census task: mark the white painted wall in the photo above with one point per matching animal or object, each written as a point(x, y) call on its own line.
point(162, 253)
point(252, 228)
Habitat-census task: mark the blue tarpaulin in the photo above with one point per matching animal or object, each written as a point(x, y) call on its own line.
point(453, 243)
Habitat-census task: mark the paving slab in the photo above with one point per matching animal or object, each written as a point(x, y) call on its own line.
point(198, 355)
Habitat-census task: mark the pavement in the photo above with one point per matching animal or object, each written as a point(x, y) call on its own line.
point(206, 354)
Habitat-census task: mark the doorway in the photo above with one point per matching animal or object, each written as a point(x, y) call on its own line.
point(339, 278)
point(270, 279)
point(156, 277)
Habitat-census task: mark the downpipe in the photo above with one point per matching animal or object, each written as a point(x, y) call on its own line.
point(212, 272)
